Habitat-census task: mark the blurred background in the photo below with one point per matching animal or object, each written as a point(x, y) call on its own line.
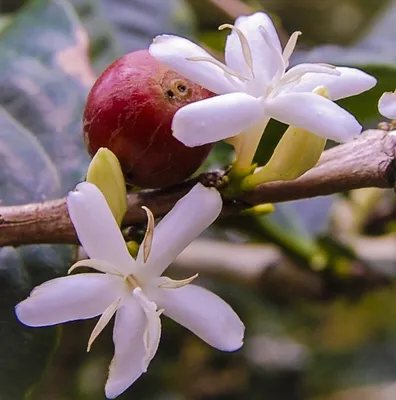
point(312, 281)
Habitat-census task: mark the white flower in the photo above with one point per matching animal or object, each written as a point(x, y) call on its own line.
point(134, 290)
point(255, 86)
point(387, 105)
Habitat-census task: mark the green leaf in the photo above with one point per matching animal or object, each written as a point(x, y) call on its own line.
point(44, 82)
point(104, 45)
point(26, 174)
point(119, 26)
point(20, 154)
point(375, 53)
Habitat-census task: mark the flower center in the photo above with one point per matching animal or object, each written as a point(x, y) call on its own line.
point(132, 282)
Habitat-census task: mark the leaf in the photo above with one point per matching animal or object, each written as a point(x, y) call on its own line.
point(23, 351)
point(104, 45)
point(44, 82)
point(137, 22)
point(375, 53)
point(119, 26)
point(20, 154)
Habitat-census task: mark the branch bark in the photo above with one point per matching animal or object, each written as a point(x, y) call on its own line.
point(369, 161)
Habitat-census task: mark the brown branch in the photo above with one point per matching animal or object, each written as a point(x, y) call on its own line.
point(369, 161)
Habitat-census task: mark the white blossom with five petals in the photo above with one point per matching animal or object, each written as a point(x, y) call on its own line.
point(134, 290)
point(254, 87)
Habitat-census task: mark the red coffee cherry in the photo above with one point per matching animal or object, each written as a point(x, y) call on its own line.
point(130, 109)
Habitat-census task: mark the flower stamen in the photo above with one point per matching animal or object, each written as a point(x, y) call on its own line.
point(297, 72)
point(103, 321)
point(132, 281)
point(290, 46)
point(168, 283)
point(280, 62)
point(247, 53)
point(227, 70)
point(148, 237)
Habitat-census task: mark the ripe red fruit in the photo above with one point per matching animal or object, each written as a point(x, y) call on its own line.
point(130, 109)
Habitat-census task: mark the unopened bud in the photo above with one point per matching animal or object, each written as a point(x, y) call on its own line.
point(105, 172)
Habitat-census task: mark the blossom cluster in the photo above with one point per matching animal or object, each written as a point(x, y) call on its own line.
point(253, 86)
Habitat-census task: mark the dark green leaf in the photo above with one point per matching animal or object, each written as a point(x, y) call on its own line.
point(40, 85)
point(375, 54)
point(44, 82)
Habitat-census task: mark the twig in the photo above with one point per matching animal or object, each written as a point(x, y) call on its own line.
point(369, 161)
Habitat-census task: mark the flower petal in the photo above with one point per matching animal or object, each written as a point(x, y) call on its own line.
point(128, 362)
point(300, 70)
point(351, 82)
point(314, 113)
point(69, 298)
point(190, 216)
point(174, 51)
point(214, 119)
point(152, 333)
point(263, 55)
point(96, 227)
point(204, 314)
point(387, 105)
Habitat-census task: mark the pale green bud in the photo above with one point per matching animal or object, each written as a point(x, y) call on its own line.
point(259, 210)
point(105, 172)
point(133, 248)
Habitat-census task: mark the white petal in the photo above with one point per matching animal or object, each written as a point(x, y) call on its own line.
point(351, 82)
point(316, 114)
point(129, 353)
point(387, 105)
point(174, 51)
point(204, 314)
point(97, 229)
point(69, 298)
point(300, 70)
point(262, 54)
point(249, 26)
point(214, 119)
point(190, 216)
point(152, 333)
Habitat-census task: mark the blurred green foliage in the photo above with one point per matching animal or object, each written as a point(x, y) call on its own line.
point(320, 322)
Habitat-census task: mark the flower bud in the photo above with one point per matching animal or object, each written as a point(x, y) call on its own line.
point(105, 172)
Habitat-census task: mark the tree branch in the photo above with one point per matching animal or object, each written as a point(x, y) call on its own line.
point(369, 161)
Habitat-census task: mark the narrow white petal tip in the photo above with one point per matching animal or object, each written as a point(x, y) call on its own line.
point(20, 313)
point(112, 391)
point(233, 340)
point(387, 105)
point(205, 314)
